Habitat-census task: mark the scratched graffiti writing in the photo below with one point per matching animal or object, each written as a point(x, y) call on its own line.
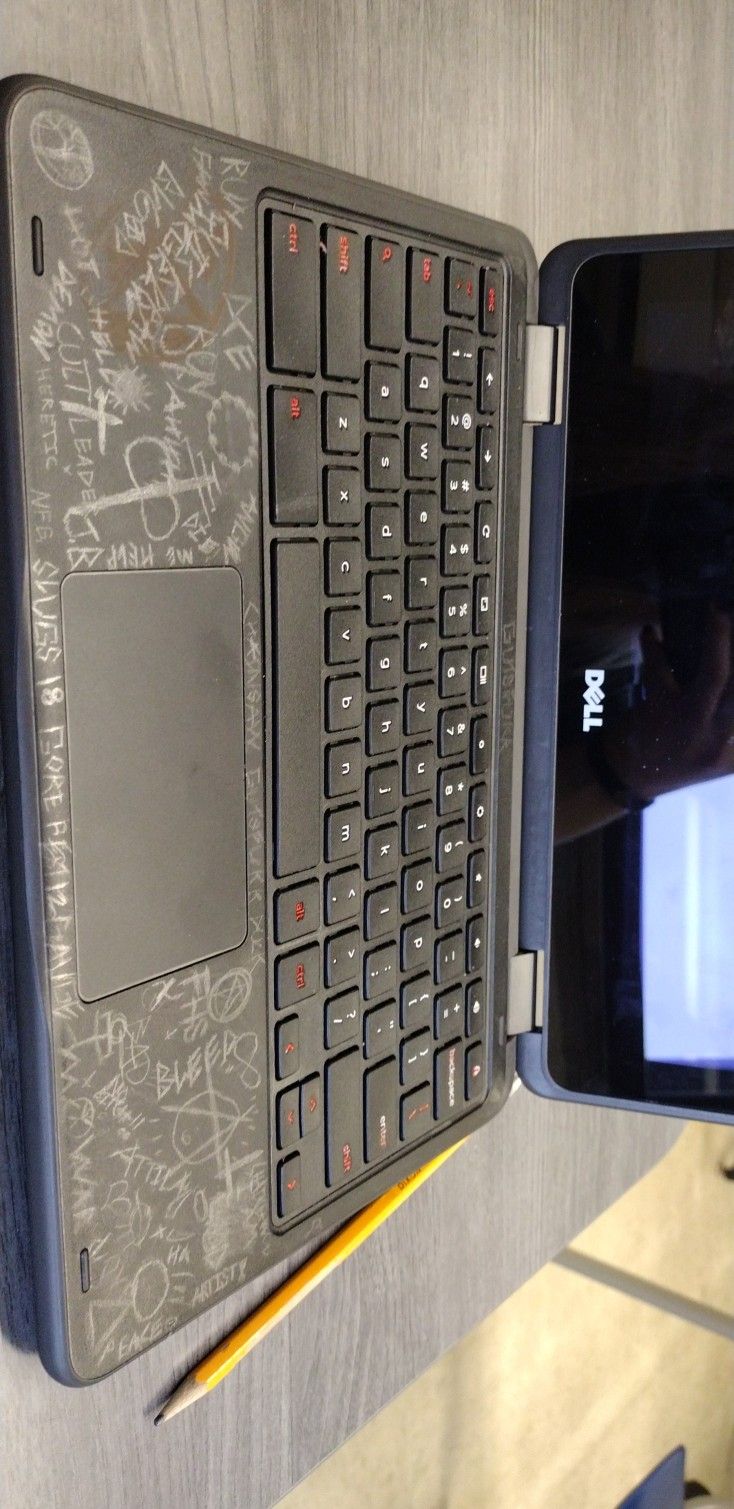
point(140, 373)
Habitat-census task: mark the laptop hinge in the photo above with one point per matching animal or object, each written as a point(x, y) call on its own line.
point(525, 1010)
point(545, 348)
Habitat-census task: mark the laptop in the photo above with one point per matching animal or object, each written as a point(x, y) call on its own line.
point(286, 457)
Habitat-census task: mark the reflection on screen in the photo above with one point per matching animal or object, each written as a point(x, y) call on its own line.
point(687, 943)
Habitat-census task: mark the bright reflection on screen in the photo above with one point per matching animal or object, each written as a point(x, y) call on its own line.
point(687, 944)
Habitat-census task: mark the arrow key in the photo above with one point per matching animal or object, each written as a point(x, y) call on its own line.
point(488, 385)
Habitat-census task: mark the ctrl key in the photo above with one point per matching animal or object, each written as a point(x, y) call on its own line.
point(289, 1186)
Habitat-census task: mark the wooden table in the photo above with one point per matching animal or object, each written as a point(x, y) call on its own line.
point(567, 118)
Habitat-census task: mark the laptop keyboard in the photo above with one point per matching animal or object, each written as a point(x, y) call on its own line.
point(380, 407)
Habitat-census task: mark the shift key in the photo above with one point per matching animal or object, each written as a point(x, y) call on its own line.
point(343, 1118)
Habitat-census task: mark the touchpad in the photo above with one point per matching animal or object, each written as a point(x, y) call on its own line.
point(153, 665)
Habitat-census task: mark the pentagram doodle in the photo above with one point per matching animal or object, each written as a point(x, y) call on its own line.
point(61, 149)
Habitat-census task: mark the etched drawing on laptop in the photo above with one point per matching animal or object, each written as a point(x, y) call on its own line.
point(267, 465)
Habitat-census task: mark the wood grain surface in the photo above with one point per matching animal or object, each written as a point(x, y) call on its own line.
point(566, 117)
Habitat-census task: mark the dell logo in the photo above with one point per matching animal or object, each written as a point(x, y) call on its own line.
point(593, 698)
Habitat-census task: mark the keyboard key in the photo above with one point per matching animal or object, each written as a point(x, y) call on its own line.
point(415, 944)
point(341, 958)
point(417, 766)
point(480, 676)
point(447, 1080)
point(483, 533)
point(383, 598)
point(421, 582)
point(297, 976)
point(455, 611)
point(415, 1059)
point(382, 851)
point(311, 1104)
point(449, 959)
point(476, 944)
point(341, 423)
point(450, 846)
point(453, 731)
point(453, 673)
point(380, 1029)
point(479, 753)
point(421, 451)
point(385, 300)
point(341, 1019)
point(342, 283)
point(488, 374)
point(417, 883)
point(292, 253)
point(461, 287)
point(482, 606)
point(342, 1084)
point(288, 1116)
point(476, 1072)
point(343, 567)
point(456, 551)
point(450, 901)
point(448, 1013)
point(415, 1002)
point(290, 1195)
point(419, 708)
point(380, 1111)
point(384, 399)
point(457, 486)
point(478, 814)
point(383, 663)
point(383, 462)
point(286, 1048)
point(383, 727)
point(486, 457)
point(343, 498)
point(380, 912)
point(423, 382)
point(490, 316)
point(421, 519)
point(476, 1009)
point(380, 971)
point(343, 703)
point(458, 422)
point(459, 355)
point(415, 1113)
point(383, 790)
point(296, 911)
point(417, 827)
point(343, 768)
point(343, 636)
point(293, 457)
point(420, 646)
point(341, 895)
point(383, 531)
point(425, 274)
point(342, 829)
point(476, 884)
point(451, 789)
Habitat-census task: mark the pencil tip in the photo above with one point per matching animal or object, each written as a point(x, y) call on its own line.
point(160, 1416)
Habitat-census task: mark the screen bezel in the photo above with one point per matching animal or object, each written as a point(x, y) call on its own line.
point(683, 1093)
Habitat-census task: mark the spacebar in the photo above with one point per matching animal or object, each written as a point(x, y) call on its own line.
point(297, 706)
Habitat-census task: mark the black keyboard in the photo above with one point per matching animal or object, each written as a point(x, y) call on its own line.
point(381, 398)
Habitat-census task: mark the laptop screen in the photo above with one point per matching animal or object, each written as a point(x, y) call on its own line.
point(642, 955)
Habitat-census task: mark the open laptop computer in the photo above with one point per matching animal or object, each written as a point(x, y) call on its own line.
point(280, 793)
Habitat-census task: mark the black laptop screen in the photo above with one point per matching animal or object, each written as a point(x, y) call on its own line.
point(642, 956)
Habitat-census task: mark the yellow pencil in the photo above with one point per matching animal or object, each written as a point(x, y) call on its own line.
point(209, 1372)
